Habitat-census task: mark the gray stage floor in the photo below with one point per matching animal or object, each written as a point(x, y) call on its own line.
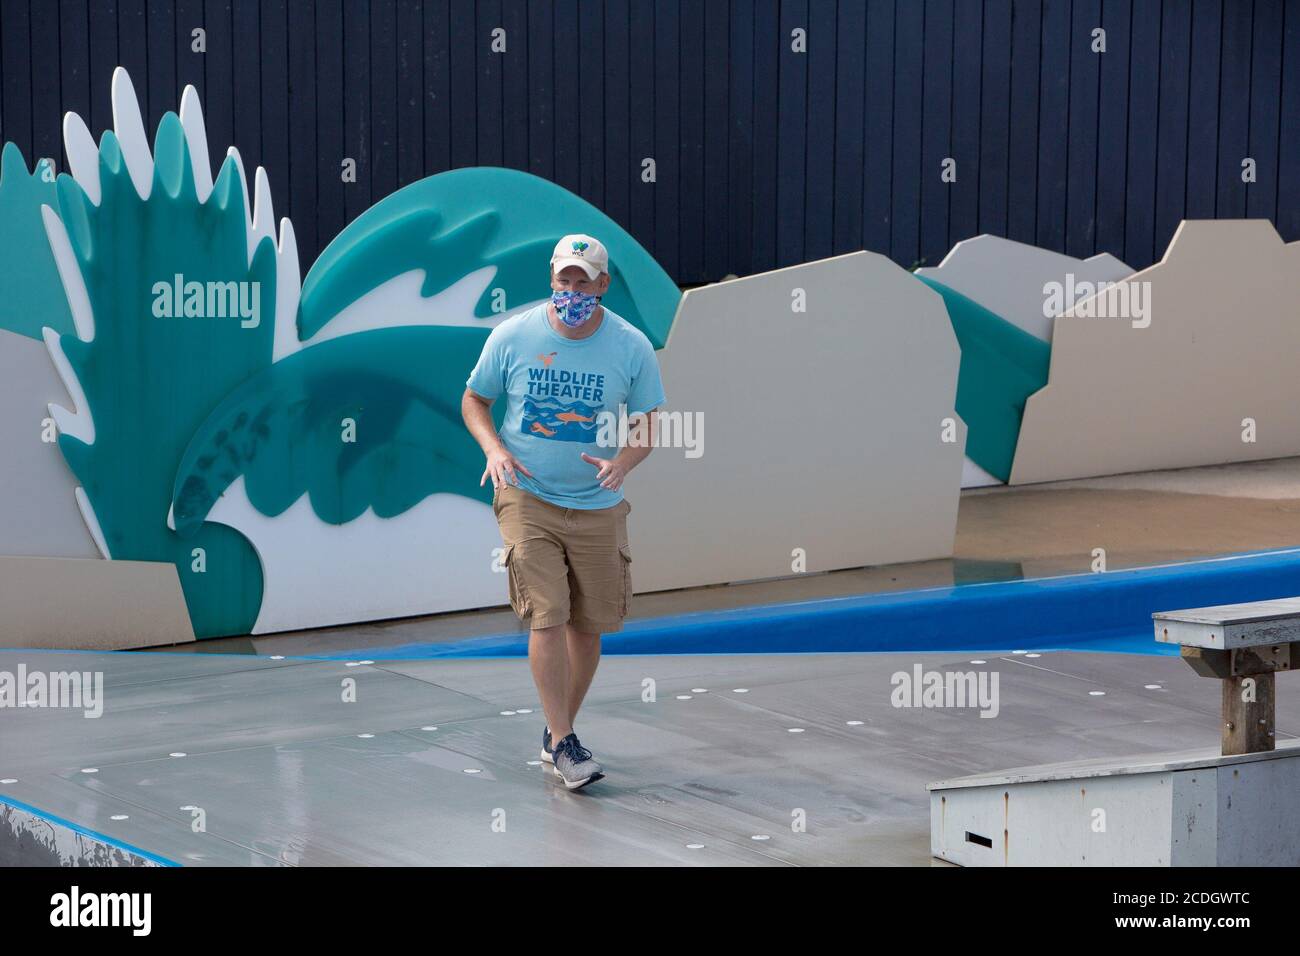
point(287, 773)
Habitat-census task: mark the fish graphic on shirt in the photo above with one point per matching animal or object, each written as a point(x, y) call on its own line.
point(557, 420)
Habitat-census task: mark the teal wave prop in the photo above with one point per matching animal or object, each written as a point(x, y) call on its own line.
point(1001, 366)
point(151, 381)
point(31, 294)
point(455, 223)
point(369, 420)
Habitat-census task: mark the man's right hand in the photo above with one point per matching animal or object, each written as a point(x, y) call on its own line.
point(501, 465)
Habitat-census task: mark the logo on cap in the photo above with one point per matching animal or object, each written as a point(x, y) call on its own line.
point(579, 248)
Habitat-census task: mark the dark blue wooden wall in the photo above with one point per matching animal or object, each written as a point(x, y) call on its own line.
point(765, 157)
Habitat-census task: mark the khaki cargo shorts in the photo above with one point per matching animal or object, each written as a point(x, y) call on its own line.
point(565, 565)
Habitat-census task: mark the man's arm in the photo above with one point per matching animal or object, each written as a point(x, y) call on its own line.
point(640, 442)
point(501, 465)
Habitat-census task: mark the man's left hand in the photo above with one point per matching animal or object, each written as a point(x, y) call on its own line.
point(611, 473)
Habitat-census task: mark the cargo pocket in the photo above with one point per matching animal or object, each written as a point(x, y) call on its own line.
point(626, 552)
point(518, 594)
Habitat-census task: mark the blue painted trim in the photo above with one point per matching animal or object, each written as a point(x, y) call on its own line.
point(86, 831)
point(1097, 612)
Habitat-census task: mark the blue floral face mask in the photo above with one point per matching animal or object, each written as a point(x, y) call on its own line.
point(574, 308)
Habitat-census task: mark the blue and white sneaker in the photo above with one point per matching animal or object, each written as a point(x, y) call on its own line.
point(574, 764)
point(547, 753)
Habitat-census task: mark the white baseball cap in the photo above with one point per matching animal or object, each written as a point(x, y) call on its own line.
point(583, 251)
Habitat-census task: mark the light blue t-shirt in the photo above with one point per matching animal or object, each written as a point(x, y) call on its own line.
point(555, 390)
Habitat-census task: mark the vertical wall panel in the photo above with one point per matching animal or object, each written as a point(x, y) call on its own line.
point(878, 168)
point(331, 148)
point(1112, 127)
point(767, 53)
point(641, 103)
point(850, 158)
point(740, 148)
point(489, 85)
point(715, 230)
point(1022, 139)
point(218, 68)
point(995, 117)
point(164, 94)
point(303, 131)
point(690, 225)
point(1203, 110)
point(1265, 103)
point(246, 82)
point(383, 98)
point(1234, 108)
point(273, 111)
point(1081, 162)
point(410, 91)
point(793, 120)
point(967, 79)
point(905, 199)
point(1171, 147)
point(47, 135)
point(16, 74)
point(819, 213)
point(74, 59)
point(1288, 185)
point(1143, 129)
point(1053, 125)
point(936, 130)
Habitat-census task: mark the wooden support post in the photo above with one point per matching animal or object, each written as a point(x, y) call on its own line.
point(1248, 713)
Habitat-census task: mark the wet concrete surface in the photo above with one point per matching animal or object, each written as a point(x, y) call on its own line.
point(284, 771)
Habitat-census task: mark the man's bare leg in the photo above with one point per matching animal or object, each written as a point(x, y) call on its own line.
point(548, 656)
point(584, 656)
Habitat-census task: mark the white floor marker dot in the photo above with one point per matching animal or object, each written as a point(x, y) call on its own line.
point(523, 710)
point(695, 846)
point(90, 770)
point(472, 770)
point(740, 690)
point(534, 763)
point(683, 696)
point(1152, 687)
point(178, 753)
point(365, 736)
point(352, 664)
point(1096, 693)
point(1033, 655)
point(367, 662)
point(854, 723)
point(699, 690)
point(979, 662)
point(9, 780)
point(428, 728)
point(277, 657)
point(119, 816)
point(1019, 652)
point(508, 713)
point(796, 730)
point(760, 836)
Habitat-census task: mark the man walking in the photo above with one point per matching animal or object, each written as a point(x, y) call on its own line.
point(567, 367)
